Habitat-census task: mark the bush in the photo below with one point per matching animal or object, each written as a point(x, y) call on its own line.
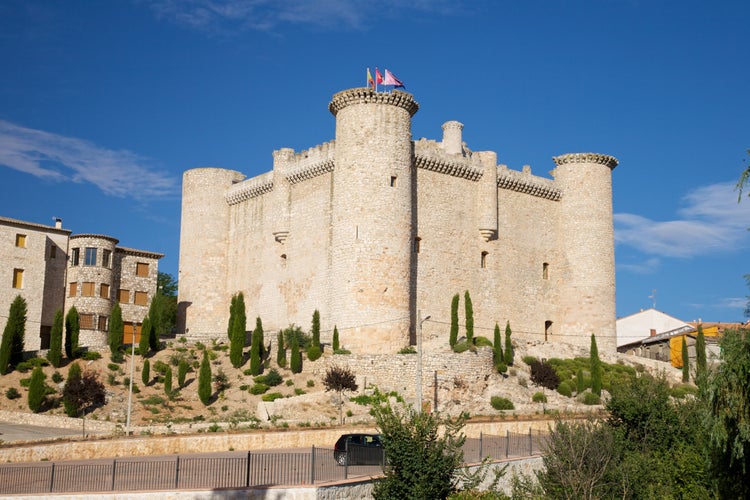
point(565, 389)
point(501, 404)
point(410, 349)
point(529, 360)
point(30, 364)
point(113, 366)
point(259, 389)
point(90, 356)
point(683, 390)
point(544, 375)
point(482, 342)
point(462, 346)
point(57, 377)
point(295, 332)
point(12, 393)
point(501, 367)
point(160, 367)
point(314, 352)
point(539, 397)
point(589, 398)
point(271, 379)
point(271, 396)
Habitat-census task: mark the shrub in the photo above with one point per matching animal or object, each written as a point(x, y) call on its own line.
point(221, 381)
point(90, 356)
point(160, 367)
point(168, 381)
point(204, 380)
point(271, 379)
point(314, 352)
point(482, 342)
point(539, 397)
point(683, 390)
point(30, 364)
point(182, 369)
point(280, 350)
point(57, 377)
point(295, 332)
point(12, 393)
point(529, 360)
point(589, 398)
point(544, 375)
point(146, 373)
point(460, 347)
point(271, 396)
point(113, 366)
point(501, 367)
point(501, 404)
point(565, 389)
point(259, 389)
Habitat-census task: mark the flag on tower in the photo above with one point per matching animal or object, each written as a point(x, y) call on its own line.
point(378, 76)
point(392, 80)
point(370, 82)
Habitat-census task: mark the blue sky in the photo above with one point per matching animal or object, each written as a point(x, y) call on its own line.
point(103, 105)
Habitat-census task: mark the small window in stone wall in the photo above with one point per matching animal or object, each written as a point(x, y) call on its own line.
point(483, 261)
point(547, 328)
point(88, 289)
point(104, 291)
point(75, 256)
point(393, 180)
point(52, 251)
point(141, 298)
point(87, 321)
point(90, 257)
point(545, 271)
point(417, 244)
point(123, 296)
point(141, 269)
point(21, 240)
point(103, 323)
point(106, 256)
point(17, 278)
point(73, 289)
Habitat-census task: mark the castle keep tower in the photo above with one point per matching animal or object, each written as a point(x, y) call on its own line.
point(371, 219)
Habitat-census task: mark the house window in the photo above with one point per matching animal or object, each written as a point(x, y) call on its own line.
point(102, 324)
point(17, 278)
point(104, 291)
point(90, 258)
point(545, 271)
point(123, 296)
point(75, 255)
point(88, 289)
point(87, 321)
point(141, 298)
point(106, 256)
point(21, 240)
point(483, 261)
point(73, 289)
point(141, 269)
point(417, 244)
point(52, 251)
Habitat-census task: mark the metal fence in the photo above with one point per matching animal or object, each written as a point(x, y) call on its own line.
point(243, 471)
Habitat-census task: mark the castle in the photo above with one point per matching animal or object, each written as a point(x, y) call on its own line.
point(378, 232)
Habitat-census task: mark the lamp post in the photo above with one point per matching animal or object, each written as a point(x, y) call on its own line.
point(420, 320)
point(130, 388)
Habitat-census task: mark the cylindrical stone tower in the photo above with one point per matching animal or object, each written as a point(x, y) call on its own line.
point(586, 241)
point(203, 300)
point(372, 225)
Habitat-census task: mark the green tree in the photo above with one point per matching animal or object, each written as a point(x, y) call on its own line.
point(580, 382)
point(727, 396)
point(700, 355)
point(508, 345)
point(11, 347)
point(339, 379)
point(497, 347)
point(239, 326)
point(144, 341)
point(469, 310)
point(56, 340)
point(423, 453)
point(315, 332)
point(280, 350)
point(335, 344)
point(72, 329)
point(74, 380)
point(82, 391)
point(168, 381)
point(454, 321)
point(256, 363)
point(146, 372)
point(182, 369)
point(232, 315)
point(163, 308)
point(685, 361)
point(295, 363)
point(37, 390)
point(116, 333)
point(596, 368)
point(204, 380)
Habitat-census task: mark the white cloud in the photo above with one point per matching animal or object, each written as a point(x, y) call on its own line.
point(224, 15)
point(647, 266)
point(712, 221)
point(59, 158)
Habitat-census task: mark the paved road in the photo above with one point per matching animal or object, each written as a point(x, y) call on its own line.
point(17, 432)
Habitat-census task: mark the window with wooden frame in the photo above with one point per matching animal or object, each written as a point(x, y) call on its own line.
point(17, 278)
point(141, 298)
point(87, 321)
point(90, 257)
point(106, 257)
point(21, 240)
point(73, 289)
point(102, 324)
point(87, 290)
point(75, 256)
point(53, 251)
point(141, 269)
point(123, 296)
point(104, 291)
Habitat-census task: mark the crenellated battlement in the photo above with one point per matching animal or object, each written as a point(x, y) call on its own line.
point(524, 182)
point(249, 189)
point(606, 160)
point(309, 163)
point(366, 95)
point(430, 155)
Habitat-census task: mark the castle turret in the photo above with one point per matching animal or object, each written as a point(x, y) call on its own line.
point(372, 219)
point(586, 242)
point(203, 301)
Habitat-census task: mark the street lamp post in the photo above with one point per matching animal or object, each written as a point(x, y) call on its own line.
point(420, 320)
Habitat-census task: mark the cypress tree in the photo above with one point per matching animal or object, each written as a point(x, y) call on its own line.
point(73, 380)
point(144, 341)
point(232, 314)
point(116, 332)
point(469, 309)
point(580, 382)
point(454, 321)
point(596, 368)
point(11, 347)
point(296, 361)
point(508, 345)
point(153, 337)
point(182, 369)
point(155, 313)
point(255, 363)
point(497, 352)
point(72, 329)
point(237, 339)
point(36, 390)
point(316, 329)
point(168, 381)
point(685, 361)
point(259, 331)
point(204, 380)
point(335, 343)
point(146, 373)
point(56, 340)
point(700, 355)
point(280, 350)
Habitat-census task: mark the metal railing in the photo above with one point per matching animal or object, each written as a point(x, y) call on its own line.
point(242, 471)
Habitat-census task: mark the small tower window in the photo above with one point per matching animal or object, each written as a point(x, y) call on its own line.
point(417, 244)
point(484, 260)
point(393, 181)
point(547, 328)
point(283, 260)
point(545, 271)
